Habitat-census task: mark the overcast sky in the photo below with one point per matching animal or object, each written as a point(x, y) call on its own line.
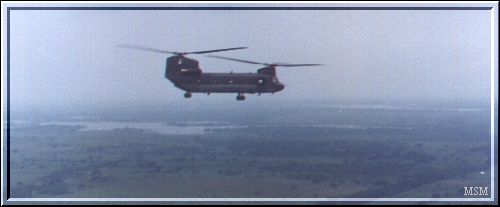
point(63, 58)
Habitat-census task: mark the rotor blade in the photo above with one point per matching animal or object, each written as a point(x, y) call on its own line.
point(297, 65)
point(237, 60)
point(147, 49)
point(218, 50)
point(257, 63)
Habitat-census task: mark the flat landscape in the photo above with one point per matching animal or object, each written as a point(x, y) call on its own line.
point(299, 151)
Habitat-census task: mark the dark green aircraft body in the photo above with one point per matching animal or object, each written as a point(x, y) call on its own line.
point(185, 74)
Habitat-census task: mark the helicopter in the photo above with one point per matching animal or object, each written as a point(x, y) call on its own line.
point(186, 74)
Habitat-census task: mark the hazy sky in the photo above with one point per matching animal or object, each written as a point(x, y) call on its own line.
point(62, 58)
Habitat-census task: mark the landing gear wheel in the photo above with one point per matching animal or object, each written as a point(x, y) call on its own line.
point(240, 97)
point(187, 95)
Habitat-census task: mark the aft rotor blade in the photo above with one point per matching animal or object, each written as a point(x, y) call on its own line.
point(147, 49)
point(237, 60)
point(297, 65)
point(257, 63)
point(218, 50)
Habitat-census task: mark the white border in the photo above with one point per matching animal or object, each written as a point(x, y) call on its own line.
point(492, 79)
point(492, 83)
point(245, 199)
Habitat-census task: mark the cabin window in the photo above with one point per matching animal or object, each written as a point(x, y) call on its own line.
point(230, 81)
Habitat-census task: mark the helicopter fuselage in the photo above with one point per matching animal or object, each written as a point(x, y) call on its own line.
point(185, 74)
point(227, 83)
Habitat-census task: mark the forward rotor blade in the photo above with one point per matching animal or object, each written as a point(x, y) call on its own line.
point(218, 50)
point(135, 47)
point(237, 60)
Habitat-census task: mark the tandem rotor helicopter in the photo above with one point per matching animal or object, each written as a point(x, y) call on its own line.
point(186, 74)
